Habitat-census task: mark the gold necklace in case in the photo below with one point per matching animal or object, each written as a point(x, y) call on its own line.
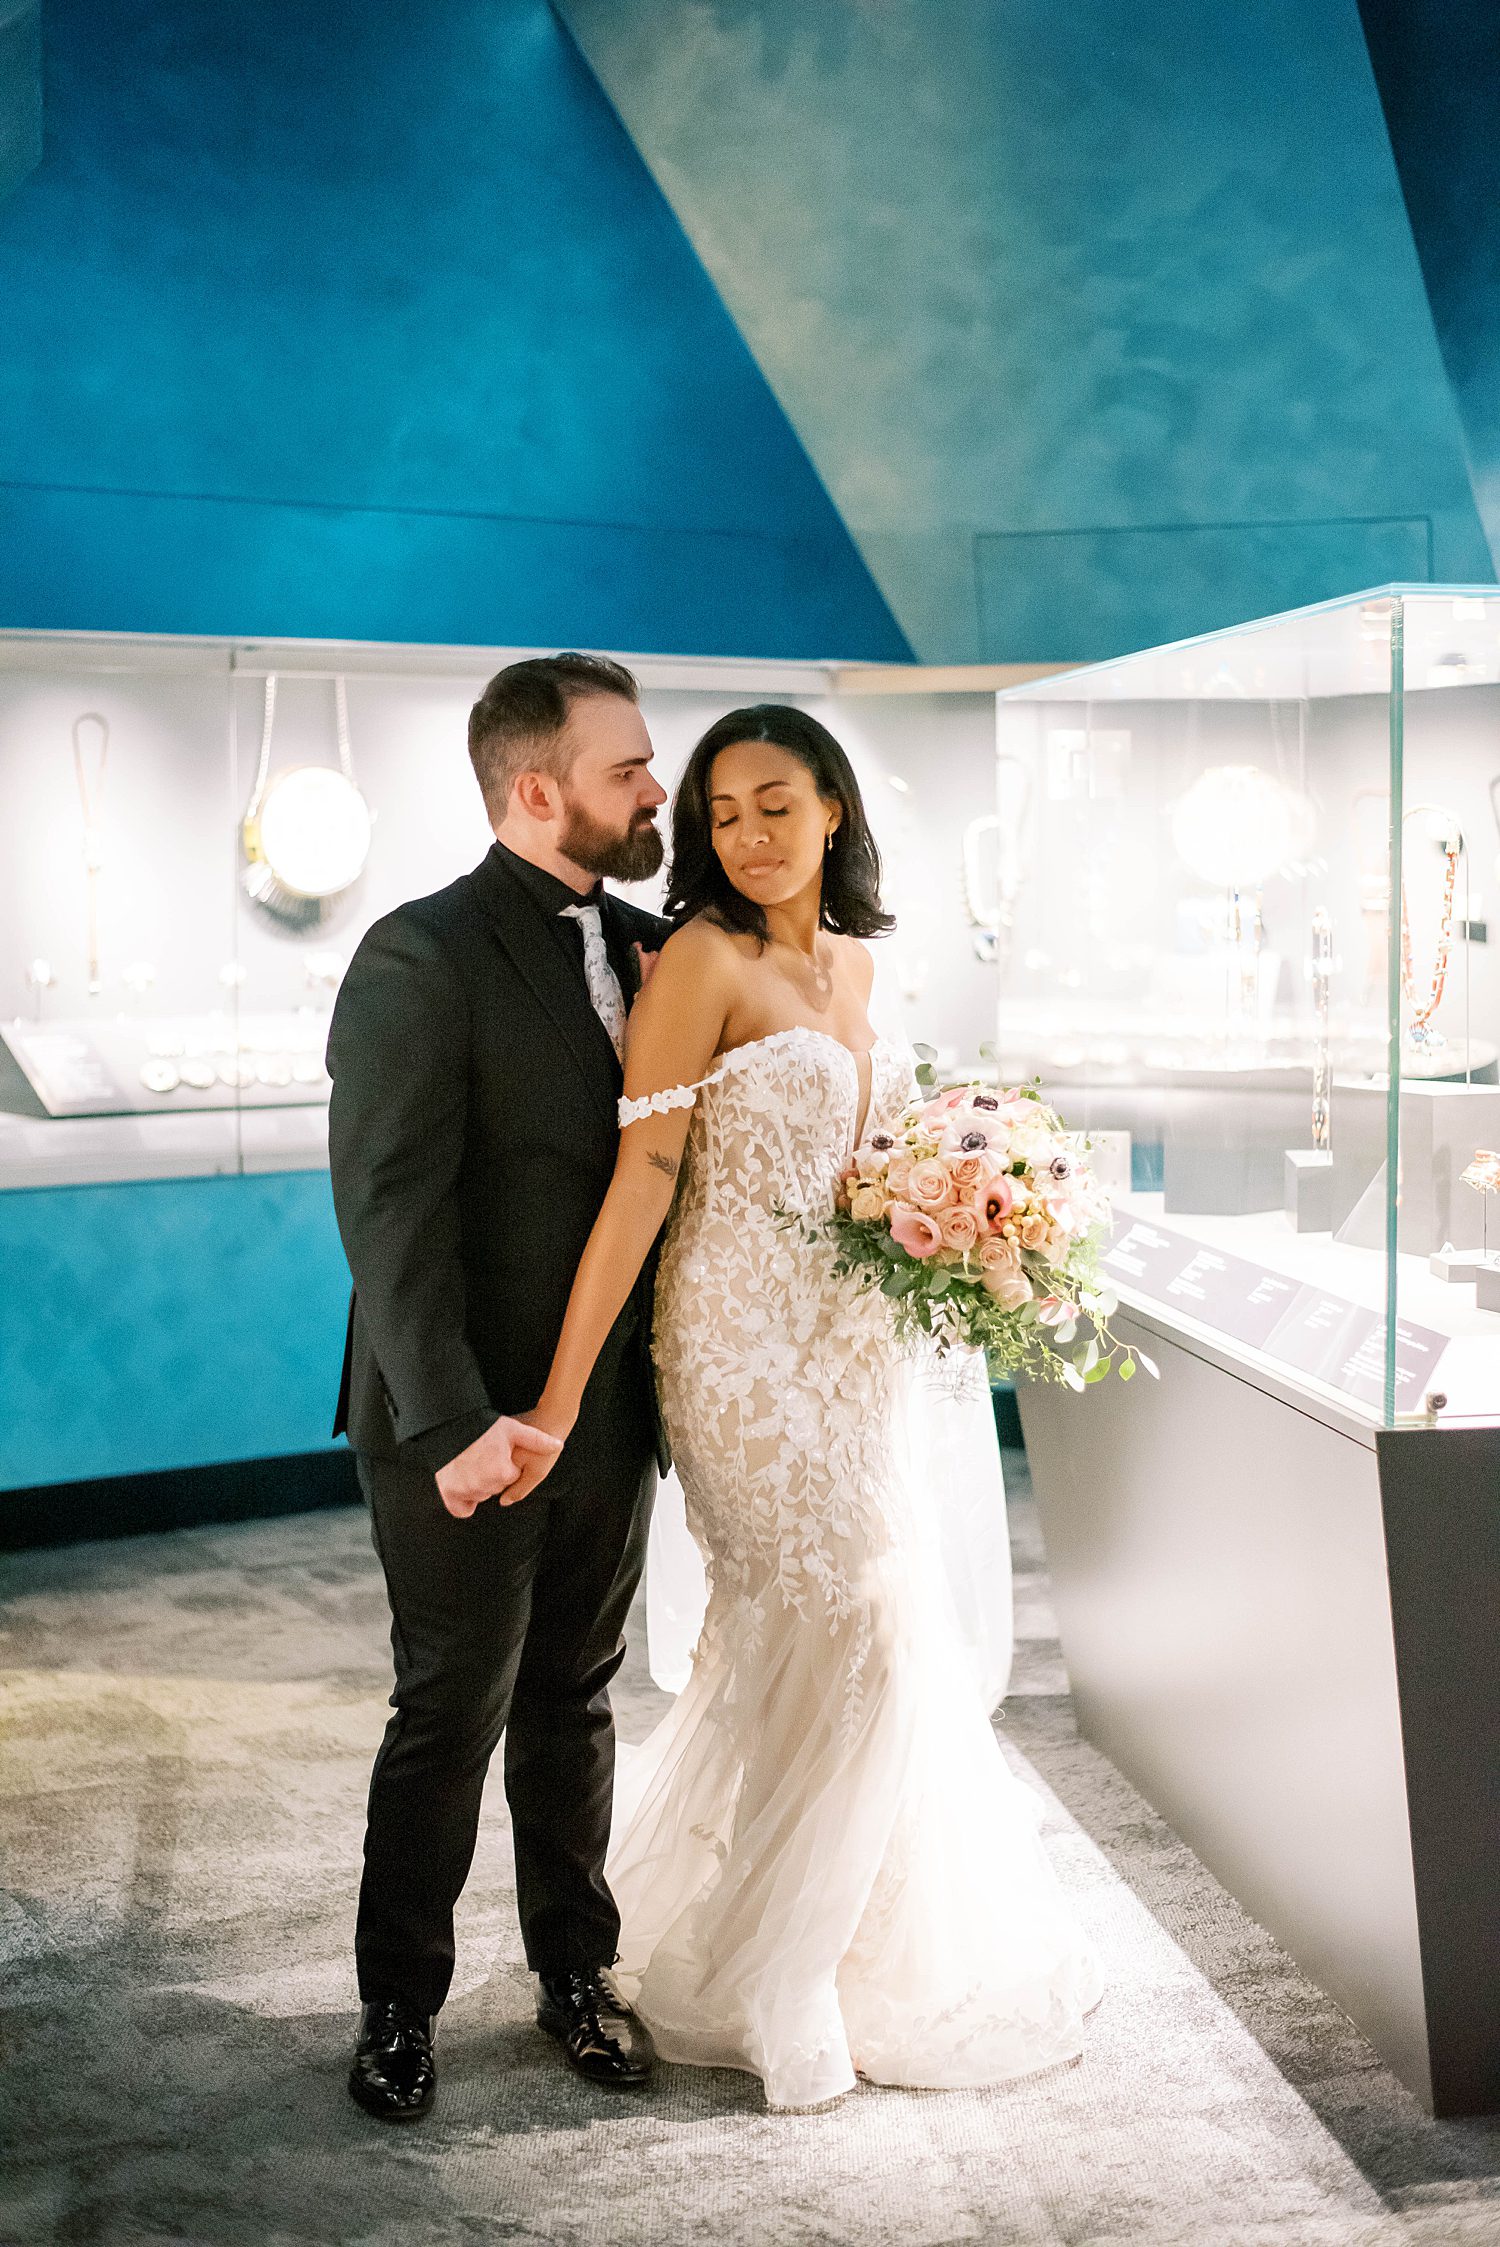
point(1419, 1029)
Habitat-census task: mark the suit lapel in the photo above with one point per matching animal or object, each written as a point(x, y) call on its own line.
point(539, 959)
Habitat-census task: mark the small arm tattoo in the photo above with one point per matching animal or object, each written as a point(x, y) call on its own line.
point(664, 1164)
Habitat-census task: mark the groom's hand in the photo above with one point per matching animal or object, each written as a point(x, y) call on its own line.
point(495, 1462)
point(645, 961)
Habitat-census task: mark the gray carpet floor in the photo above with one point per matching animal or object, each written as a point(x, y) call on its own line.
point(187, 1729)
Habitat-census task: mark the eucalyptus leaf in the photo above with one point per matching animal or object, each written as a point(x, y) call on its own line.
point(1127, 1370)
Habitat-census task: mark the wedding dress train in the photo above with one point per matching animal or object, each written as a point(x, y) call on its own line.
point(823, 1863)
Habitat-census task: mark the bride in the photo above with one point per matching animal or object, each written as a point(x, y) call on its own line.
point(824, 1865)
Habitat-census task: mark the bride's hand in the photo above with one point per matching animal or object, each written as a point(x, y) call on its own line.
point(537, 1465)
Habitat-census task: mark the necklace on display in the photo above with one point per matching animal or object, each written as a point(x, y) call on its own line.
point(1322, 970)
point(91, 804)
point(990, 893)
point(1419, 1030)
point(306, 835)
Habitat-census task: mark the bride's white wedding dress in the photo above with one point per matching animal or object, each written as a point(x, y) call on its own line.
point(822, 1860)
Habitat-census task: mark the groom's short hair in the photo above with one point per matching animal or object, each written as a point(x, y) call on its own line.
point(518, 723)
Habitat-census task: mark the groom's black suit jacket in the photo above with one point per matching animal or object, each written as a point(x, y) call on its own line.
point(472, 1137)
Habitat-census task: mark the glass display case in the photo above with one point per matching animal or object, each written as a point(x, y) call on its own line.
point(1243, 891)
point(1245, 895)
point(197, 833)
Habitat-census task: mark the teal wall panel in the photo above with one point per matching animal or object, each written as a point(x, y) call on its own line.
point(1135, 585)
point(371, 322)
point(20, 91)
point(173, 1324)
point(1437, 63)
point(1022, 272)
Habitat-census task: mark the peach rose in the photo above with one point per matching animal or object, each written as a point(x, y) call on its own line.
point(867, 1202)
point(1032, 1231)
point(969, 1170)
point(1008, 1285)
point(913, 1230)
point(898, 1170)
point(929, 1185)
point(960, 1228)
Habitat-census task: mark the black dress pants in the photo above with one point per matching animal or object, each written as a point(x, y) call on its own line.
point(510, 1622)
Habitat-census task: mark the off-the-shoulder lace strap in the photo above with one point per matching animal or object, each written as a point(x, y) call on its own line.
point(658, 1103)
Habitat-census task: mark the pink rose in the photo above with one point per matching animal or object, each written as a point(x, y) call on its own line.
point(999, 1201)
point(960, 1228)
point(897, 1171)
point(997, 1255)
point(929, 1185)
point(968, 1170)
point(916, 1232)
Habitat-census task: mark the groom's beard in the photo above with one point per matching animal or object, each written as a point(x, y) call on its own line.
point(633, 856)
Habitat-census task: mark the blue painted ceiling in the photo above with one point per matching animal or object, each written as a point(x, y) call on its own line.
point(371, 321)
point(1102, 324)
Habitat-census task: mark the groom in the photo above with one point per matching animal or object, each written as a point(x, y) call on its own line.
point(476, 1063)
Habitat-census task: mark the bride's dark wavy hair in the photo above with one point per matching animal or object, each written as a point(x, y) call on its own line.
point(851, 868)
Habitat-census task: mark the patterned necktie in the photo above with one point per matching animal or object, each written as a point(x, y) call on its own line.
point(605, 995)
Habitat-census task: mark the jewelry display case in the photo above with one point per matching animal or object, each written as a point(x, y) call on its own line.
point(1202, 951)
point(1256, 928)
point(197, 834)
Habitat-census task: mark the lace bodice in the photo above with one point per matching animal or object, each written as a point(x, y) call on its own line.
point(776, 1119)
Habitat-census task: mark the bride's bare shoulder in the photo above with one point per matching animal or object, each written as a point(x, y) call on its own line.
point(705, 944)
point(858, 963)
point(697, 965)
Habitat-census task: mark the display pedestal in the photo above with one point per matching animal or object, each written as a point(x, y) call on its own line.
point(1487, 1287)
point(1441, 1126)
point(1275, 1623)
point(1457, 1266)
point(1309, 1189)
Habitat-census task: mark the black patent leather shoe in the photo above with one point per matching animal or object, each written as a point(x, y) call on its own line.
point(393, 2077)
point(601, 2037)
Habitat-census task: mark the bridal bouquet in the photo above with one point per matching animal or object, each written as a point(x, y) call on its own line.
point(979, 1218)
